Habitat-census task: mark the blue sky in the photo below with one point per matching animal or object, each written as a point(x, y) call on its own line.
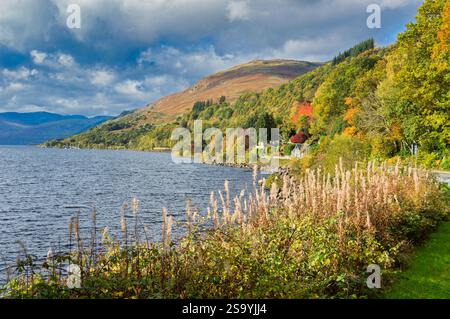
point(129, 53)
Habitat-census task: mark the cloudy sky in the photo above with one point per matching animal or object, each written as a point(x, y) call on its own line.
point(128, 53)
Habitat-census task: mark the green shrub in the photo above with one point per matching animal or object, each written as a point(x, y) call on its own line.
point(287, 149)
point(309, 238)
point(346, 149)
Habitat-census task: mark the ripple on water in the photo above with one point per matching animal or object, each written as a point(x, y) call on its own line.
point(37, 185)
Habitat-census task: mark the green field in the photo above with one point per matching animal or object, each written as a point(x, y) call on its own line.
point(428, 275)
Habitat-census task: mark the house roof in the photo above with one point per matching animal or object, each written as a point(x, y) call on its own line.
point(299, 138)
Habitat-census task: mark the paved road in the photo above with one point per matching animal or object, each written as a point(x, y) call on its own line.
point(443, 176)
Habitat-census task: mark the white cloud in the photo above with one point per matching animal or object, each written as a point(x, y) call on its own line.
point(102, 77)
point(157, 80)
point(158, 85)
point(22, 73)
point(38, 57)
point(14, 86)
point(6, 36)
point(193, 64)
point(129, 87)
point(238, 10)
point(33, 108)
point(67, 103)
point(312, 49)
point(53, 60)
point(57, 76)
point(145, 56)
point(66, 60)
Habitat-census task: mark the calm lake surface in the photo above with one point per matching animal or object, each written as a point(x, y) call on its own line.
point(39, 189)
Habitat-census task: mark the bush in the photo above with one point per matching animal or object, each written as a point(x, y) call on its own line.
point(309, 238)
point(445, 163)
point(346, 149)
point(287, 149)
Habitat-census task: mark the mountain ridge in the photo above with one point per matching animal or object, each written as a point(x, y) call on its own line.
point(37, 127)
point(230, 84)
point(254, 76)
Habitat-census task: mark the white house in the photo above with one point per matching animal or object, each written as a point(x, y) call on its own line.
point(300, 150)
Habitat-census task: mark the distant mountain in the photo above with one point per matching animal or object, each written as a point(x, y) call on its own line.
point(38, 127)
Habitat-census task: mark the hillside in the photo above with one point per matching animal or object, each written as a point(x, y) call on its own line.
point(229, 85)
point(367, 103)
point(254, 76)
point(37, 127)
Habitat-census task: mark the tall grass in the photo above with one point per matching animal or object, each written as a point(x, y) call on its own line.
point(308, 237)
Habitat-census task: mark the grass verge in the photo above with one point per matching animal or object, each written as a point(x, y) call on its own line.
point(428, 275)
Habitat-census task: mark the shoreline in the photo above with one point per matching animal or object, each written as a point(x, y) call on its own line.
point(442, 175)
point(158, 150)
